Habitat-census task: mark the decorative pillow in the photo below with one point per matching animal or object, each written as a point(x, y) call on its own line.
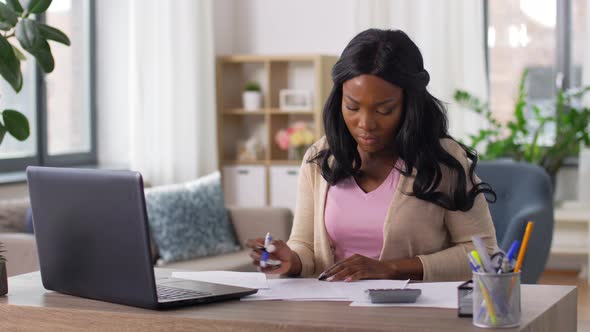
point(190, 220)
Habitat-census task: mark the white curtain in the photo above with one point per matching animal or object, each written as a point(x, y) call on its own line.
point(584, 157)
point(171, 89)
point(450, 35)
point(586, 63)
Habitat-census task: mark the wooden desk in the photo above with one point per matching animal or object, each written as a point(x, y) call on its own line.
point(28, 306)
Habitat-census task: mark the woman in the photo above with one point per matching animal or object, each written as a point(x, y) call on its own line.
point(387, 193)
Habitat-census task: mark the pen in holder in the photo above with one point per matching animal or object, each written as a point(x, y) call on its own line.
point(496, 299)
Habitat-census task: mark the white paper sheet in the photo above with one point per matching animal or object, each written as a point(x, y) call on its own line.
point(434, 295)
point(241, 279)
point(299, 289)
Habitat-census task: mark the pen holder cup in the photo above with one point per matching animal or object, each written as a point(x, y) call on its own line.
point(496, 299)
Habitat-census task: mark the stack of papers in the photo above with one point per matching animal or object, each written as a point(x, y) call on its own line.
point(299, 289)
point(437, 294)
point(239, 279)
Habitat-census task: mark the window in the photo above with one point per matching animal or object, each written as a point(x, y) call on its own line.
point(521, 35)
point(579, 36)
point(59, 105)
point(546, 37)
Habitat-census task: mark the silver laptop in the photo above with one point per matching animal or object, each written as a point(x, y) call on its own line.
point(92, 237)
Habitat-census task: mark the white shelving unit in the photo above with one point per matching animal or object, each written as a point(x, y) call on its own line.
point(271, 178)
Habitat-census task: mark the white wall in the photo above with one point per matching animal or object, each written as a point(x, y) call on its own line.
point(223, 26)
point(286, 26)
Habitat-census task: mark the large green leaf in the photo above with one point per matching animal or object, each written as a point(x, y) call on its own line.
point(8, 17)
point(28, 34)
point(15, 6)
point(36, 6)
point(52, 33)
point(16, 124)
point(18, 53)
point(2, 133)
point(10, 65)
point(44, 57)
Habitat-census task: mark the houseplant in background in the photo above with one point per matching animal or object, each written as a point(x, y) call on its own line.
point(32, 36)
point(519, 138)
point(252, 96)
point(295, 139)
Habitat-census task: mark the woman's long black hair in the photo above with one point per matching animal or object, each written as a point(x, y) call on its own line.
point(393, 56)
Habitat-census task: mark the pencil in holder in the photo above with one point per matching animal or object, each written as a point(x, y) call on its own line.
point(496, 299)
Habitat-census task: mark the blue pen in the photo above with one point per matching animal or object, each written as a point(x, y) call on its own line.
point(267, 239)
point(513, 250)
point(509, 258)
point(268, 248)
point(264, 256)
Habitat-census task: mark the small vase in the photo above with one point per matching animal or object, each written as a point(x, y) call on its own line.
point(252, 100)
point(3, 279)
point(297, 152)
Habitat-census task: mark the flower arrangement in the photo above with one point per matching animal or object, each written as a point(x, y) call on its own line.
point(298, 136)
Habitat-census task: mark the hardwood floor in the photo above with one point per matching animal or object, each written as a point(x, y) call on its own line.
point(571, 278)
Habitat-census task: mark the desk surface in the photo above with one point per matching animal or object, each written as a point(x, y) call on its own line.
point(544, 308)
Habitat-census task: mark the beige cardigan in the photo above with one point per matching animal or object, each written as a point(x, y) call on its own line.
point(413, 227)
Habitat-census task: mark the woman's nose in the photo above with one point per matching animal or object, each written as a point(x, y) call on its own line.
point(367, 121)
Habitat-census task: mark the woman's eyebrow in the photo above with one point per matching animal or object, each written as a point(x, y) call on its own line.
point(351, 99)
point(383, 102)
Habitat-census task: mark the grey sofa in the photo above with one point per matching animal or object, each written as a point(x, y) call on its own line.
point(19, 246)
point(249, 223)
point(21, 250)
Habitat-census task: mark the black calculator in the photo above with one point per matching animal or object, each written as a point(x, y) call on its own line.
point(394, 295)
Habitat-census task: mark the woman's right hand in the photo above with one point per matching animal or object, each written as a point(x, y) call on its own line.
point(282, 252)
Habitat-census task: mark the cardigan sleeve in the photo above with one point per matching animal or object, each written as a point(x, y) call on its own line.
point(302, 236)
point(452, 263)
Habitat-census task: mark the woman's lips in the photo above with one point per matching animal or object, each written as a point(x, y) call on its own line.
point(368, 140)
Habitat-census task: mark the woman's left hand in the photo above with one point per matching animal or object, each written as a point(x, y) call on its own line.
point(357, 267)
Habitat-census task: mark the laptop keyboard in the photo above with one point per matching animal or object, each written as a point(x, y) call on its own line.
point(171, 293)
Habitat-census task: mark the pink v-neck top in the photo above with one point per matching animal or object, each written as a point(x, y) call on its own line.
point(354, 219)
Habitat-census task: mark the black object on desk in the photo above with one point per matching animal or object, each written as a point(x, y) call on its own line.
point(465, 299)
point(397, 295)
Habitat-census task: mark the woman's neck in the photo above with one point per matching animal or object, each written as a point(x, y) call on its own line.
point(377, 164)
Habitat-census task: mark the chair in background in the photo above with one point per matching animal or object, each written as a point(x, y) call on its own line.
point(524, 193)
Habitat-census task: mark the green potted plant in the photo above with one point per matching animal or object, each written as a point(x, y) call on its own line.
point(252, 96)
point(32, 36)
point(519, 138)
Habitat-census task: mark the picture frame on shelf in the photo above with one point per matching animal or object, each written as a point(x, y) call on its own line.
point(295, 100)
